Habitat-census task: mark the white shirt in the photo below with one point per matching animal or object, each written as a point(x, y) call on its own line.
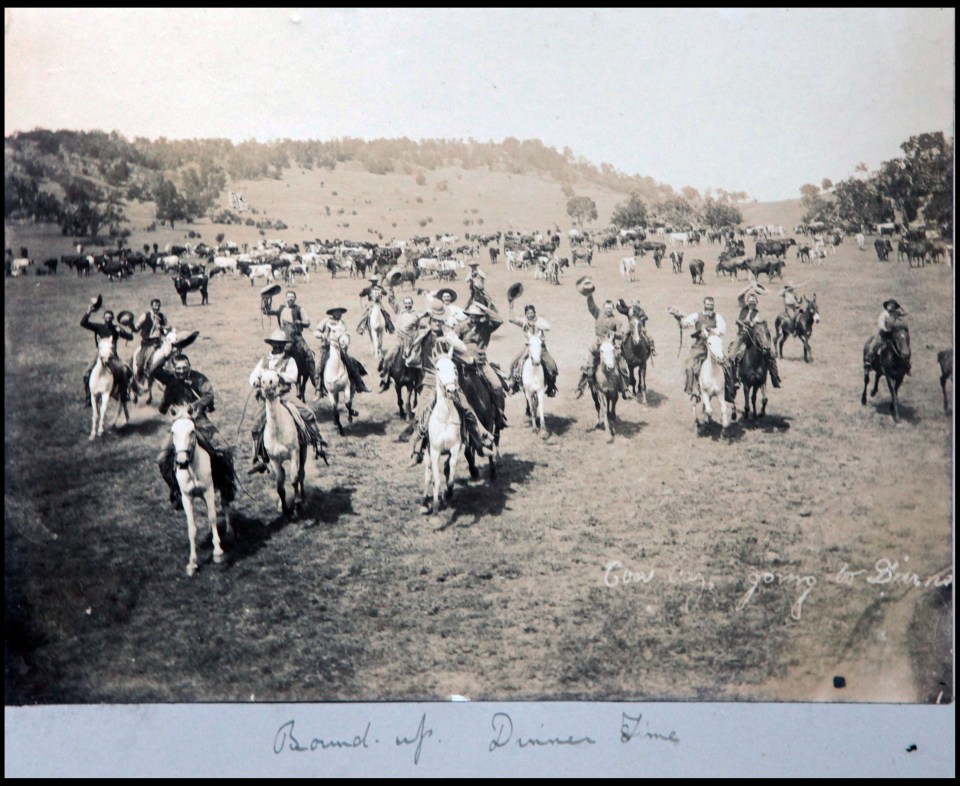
point(285, 366)
point(691, 319)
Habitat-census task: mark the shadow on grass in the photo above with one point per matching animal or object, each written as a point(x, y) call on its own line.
point(768, 423)
point(558, 425)
point(907, 413)
point(250, 535)
point(143, 428)
point(655, 399)
point(487, 497)
point(329, 506)
point(735, 432)
point(363, 428)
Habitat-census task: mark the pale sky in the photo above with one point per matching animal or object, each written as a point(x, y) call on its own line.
point(756, 100)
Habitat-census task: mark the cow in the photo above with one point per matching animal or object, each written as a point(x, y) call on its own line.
point(680, 237)
point(298, 269)
point(494, 253)
point(628, 268)
point(891, 228)
point(19, 266)
point(883, 248)
point(676, 260)
point(183, 285)
point(770, 267)
point(776, 248)
point(258, 271)
point(803, 253)
point(51, 265)
point(223, 265)
point(578, 254)
point(696, 271)
point(727, 266)
point(114, 269)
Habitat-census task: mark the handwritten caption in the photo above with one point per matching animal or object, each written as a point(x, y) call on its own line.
point(885, 571)
point(505, 734)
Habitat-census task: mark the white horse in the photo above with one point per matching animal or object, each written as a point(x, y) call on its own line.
point(712, 382)
point(534, 386)
point(103, 387)
point(195, 477)
point(444, 432)
point(282, 443)
point(376, 324)
point(337, 381)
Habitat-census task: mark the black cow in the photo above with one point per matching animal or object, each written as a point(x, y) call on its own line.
point(883, 249)
point(51, 265)
point(696, 270)
point(774, 248)
point(770, 267)
point(183, 285)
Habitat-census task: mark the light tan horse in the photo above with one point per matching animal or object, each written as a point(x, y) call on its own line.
point(337, 381)
point(444, 432)
point(606, 388)
point(282, 443)
point(195, 477)
point(102, 388)
point(712, 383)
point(534, 386)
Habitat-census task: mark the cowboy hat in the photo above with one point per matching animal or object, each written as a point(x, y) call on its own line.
point(453, 295)
point(787, 285)
point(514, 291)
point(126, 318)
point(374, 279)
point(585, 285)
point(334, 311)
point(96, 302)
point(474, 263)
point(438, 311)
point(270, 291)
point(278, 337)
point(889, 304)
point(621, 306)
point(186, 342)
point(394, 277)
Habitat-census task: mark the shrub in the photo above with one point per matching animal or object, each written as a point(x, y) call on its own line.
point(220, 237)
point(419, 200)
point(480, 222)
point(421, 179)
point(423, 222)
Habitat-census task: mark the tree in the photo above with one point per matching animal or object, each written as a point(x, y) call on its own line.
point(859, 203)
point(582, 208)
point(809, 190)
point(721, 214)
point(921, 183)
point(632, 213)
point(170, 205)
point(826, 184)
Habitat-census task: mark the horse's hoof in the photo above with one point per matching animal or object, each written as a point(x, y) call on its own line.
point(218, 558)
point(191, 568)
point(474, 473)
point(610, 440)
point(92, 437)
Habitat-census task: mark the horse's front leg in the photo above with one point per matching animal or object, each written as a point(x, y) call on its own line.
point(104, 406)
point(298, 473)
point(543, 418)
point(894, 399)
point(452, 471)
point(191, 532)
point(94, 413)
point(281, 487)
point(435, 457)
point(806, 349)
point(763, 400)
point(403, 412)
point(876, 384)
point(334, 402)
point(210, 497)
point(608, 417)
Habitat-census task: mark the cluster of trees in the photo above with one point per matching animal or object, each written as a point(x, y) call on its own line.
point(676, 211)
point(916, 187)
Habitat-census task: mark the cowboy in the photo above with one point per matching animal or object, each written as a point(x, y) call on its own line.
point(748, 317)
point(152, 326)
point(280, 360)
point(407, 325)
point(374, 294)
point(791, 300)
point(188, 388)
point(892, 316)
point(103, 330)
point(477, 283)
point(441, 338)
point(475, 334)
point(532, 325)
point(328, 331)
point(293, 319)
point(607, 326)
point(636, 312)
point(452, 316)
point(706, 323)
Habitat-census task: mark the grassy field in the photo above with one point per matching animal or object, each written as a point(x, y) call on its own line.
point(747, 561)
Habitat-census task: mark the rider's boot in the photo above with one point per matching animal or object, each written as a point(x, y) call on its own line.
point(584, 380)
point(774, 371)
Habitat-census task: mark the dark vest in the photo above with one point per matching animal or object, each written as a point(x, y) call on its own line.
point(292, 328)
point(705, 323)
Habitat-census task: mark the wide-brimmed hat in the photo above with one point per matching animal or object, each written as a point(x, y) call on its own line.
point(888, 304)
point(374, 279)
point(621, 306)
point(438, 311)
point(183, 343)
point(334, 311)
point(278, 337)
point(453, 295)
point(514, 291)
point(271, 290)
point(585, 285)
point(474, 264)
point(394, 277)
point(126, 318)
point(96, 302)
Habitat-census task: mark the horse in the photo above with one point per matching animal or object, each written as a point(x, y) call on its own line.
point(404, 376)
point(194, 471)
point(479, 396)
point(754, 368)
point(892, 362)
point(103, 387)
point(636, 351)
point(281, 439)
point(534, 386)
point(376, 324)
point(945, 359)
point(801, 327)
point(337, 381)
point(712, 383)
point(606, 383)
point(444, 429)
point(299, 356)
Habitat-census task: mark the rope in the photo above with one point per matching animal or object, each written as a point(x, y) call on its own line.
point(236, 441)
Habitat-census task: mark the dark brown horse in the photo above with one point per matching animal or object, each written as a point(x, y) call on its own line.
point(606, 387)
point(754, 368)
point(480, 397)
point(801, 327)
point(404, 377)
point(892, 362)
point(945, 359)
point(636, 351)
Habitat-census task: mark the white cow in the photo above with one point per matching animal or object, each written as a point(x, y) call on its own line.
point(170, 262)
point(257, 271)
point(19, 266)
point(679, 237)
point(628, 268)
point(226, 264)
